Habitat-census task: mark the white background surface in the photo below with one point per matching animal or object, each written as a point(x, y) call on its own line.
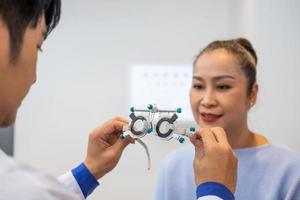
point(84, 77)
point(165, 85)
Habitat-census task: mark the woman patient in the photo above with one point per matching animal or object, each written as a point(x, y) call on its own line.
point(223, 90)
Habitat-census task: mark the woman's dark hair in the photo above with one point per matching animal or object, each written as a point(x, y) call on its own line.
point(244, 52)
point(19, 14)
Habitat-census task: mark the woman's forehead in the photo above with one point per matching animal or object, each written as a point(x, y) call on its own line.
point(216, 63)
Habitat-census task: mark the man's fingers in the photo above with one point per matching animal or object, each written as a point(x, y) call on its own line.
point(110, 127)
point(220, 135)
point(121, 119)
point(196, 140)
point(121, 144)
point(116, 125)
point(193, 140)
point(208, 137)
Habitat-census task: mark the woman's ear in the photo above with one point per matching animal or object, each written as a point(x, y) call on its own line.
point(253, 95)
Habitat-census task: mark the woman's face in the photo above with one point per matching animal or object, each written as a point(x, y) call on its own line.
point(218, 95)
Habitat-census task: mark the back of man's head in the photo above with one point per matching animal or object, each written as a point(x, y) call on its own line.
point(19, 14)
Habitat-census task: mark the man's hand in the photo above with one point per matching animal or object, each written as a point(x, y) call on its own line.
point(105, 147)
point(214, 161)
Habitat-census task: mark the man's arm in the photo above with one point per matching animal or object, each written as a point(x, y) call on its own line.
point(213, 191)
point(215, 164)
point(104, 151)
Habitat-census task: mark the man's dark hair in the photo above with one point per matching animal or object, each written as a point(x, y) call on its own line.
point(19, 14)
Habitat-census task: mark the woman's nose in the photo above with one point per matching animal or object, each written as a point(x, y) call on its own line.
point(208, 99)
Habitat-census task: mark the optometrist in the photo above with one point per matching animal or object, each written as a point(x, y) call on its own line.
point(24, 25)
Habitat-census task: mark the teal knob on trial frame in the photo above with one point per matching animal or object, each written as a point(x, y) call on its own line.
point(149, 130)
point(150, 106)
point(192, 129)
point(122, 137)
point(132, 109)
point(181, 140)
point(179, 110)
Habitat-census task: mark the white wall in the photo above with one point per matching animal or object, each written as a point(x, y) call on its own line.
point(83, 77)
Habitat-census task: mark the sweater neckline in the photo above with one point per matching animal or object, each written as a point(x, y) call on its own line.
point(255, 148)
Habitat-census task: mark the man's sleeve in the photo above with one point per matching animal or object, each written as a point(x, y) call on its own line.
point(79, 181)
point(213, 191)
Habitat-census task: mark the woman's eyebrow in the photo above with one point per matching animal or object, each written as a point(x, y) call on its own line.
point(199, 78)
point(216, 78)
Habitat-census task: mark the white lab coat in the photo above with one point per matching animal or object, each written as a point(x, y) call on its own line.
point(210, 197)
point(20, 181)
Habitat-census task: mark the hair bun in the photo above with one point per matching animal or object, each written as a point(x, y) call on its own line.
point(247, 45)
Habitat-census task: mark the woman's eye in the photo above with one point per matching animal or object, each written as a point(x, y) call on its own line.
point(198, 86)
point(223, 87)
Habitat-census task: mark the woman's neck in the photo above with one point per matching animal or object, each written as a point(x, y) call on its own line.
point(243, 138)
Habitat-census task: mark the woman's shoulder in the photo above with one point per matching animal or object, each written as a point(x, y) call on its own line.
point(285, 154)
point(282, 151)
point(269, 148)
point(271, 155)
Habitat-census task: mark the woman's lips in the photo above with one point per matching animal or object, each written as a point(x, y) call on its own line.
point(209, 118)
